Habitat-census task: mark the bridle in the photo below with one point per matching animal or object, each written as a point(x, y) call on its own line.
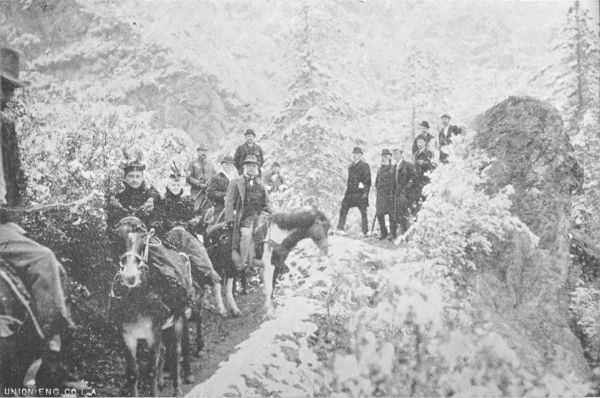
point(143, 264)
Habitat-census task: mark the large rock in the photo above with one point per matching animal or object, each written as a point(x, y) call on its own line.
point(524, 289)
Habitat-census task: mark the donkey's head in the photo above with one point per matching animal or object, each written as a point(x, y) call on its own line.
point(133, 240)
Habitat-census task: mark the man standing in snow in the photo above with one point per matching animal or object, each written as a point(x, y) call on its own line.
point(246, 149)
point(385, 186)
point(357, 191)
point(445, 136)
point(405, 181)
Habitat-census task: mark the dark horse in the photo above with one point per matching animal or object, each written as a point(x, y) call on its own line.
point(138, 304)
point(22, 341)
point(280, 233)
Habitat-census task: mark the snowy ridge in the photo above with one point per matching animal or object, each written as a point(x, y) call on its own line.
point(276, 359)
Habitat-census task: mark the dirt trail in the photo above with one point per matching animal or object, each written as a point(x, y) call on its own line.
point(221, 336)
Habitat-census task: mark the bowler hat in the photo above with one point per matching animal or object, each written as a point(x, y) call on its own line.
point(445, 115)
point(249, 132)
point(227, 159)
point(9, 66)
point(386, 152)
point(424, 123)
point(357, 150)
point(251, 159)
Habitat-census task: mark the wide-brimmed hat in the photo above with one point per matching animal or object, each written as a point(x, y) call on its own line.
point(250, 132)
point(357, 150)
point(9, 67)
point(227, 159)
point(386, 152)
point(251, 159)
point(424, 123)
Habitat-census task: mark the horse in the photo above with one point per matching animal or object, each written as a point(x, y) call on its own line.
point(282, 233)
point(22, 340)
point(139, 303)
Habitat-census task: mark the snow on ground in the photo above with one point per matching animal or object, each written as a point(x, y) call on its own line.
point(276, 359)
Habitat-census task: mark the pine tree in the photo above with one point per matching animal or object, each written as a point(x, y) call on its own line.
point(310, 133)
point(575, 83)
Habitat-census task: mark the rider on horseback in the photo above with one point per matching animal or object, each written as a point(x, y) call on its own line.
point(245, 202)
point(174, 213)
point(34, 264)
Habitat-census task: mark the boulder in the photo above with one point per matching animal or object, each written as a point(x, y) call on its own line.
point(524, 289)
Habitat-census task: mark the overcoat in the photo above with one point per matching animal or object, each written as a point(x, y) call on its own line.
point(385, 187)
point(358, 172)
point(217, 189)
point(234, 205)
point(406, 183)
point(244, 150)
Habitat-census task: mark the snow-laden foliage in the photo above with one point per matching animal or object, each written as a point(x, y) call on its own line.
point(407, 334)
point(72, 147)
point(459, 221)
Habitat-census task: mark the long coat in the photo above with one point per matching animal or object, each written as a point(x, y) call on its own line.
point(217, 189)
point(234, 205)
point(406, 183)
point(11, 177)
point(357, 197)
point(244, 150)
point(385, 187)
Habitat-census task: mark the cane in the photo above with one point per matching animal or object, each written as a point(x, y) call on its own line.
point(373, 225)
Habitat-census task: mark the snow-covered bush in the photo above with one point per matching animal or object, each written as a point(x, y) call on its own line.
point(408, 335)
point(70, 147)
point(459, 221)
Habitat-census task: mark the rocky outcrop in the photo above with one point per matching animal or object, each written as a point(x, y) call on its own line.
point(523, 290)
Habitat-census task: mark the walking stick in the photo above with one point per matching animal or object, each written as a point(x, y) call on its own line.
point(373, 225)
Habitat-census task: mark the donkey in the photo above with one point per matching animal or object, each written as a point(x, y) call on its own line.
point(138, 303)
point(282, 233)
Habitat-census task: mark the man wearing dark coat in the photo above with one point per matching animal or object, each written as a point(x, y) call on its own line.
point(425, 135)
point(445, 137)
point(357, 191)
point(405, 182)
point(424, 163)
point(246, 201)
point(217, 186)
point(246, 149)
point(35, 265)
point(385, 187)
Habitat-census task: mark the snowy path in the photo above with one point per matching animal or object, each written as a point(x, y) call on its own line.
point(276, 359)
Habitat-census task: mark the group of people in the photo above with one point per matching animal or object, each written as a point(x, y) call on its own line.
point(235, 195)
point(399, 183)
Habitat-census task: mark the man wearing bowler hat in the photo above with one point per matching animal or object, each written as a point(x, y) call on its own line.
point(426, 136)
point(357, 190)
point(385, 187)
point(246, 200)
point(36, 265)
point(199, 173)
point(445, 136)
point(248, 148)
